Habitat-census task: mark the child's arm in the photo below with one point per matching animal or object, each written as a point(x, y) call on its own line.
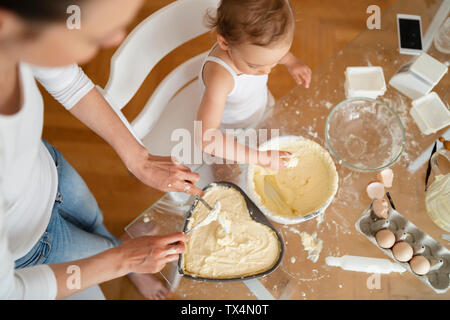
point(297, 69)
point(219, 83)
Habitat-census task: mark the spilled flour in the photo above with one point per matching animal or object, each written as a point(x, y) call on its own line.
point(311, 244)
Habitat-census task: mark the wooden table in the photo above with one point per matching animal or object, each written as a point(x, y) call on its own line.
point(303, 112)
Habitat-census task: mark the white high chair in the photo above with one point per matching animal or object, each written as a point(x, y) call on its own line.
point(175, 101)
point(144, 47)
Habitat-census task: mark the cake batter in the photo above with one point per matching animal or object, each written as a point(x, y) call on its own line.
point(305, 186)
point(249, 248)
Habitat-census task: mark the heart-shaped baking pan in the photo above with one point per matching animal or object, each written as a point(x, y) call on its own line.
point(255, 214)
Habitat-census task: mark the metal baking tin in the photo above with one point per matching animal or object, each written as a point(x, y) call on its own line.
point(256, 215)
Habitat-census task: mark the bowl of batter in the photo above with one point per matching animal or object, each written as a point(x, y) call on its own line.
point(307, 186)
point(250, 248)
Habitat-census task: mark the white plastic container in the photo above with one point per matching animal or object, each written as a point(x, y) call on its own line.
point(430, 113)
point(364, 82)
point(418, 77)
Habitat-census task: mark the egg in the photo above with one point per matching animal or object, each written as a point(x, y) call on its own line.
point(386, 177)
point(385, 238)
point(420, 265)
point(402, 251)
point(375, 190)
point(381, 208)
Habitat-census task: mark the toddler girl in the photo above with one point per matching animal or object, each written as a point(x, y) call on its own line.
point(253, 36)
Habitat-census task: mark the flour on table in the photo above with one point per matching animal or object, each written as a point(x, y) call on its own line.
point(311, 244)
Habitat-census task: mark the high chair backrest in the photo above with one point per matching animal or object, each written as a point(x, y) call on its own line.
point(149, 42)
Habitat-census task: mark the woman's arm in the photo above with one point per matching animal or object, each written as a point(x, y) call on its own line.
point(147, 254)
point(76, 92)
point(158, 172)
point(218, 84)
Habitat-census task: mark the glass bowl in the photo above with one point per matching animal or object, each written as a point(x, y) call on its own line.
point(364, 134)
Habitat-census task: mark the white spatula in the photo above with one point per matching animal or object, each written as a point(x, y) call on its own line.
point(213, 214)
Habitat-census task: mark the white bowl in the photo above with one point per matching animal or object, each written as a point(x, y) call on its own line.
point(275, 144)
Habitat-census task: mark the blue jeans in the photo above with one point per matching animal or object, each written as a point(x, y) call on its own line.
point(76, 229)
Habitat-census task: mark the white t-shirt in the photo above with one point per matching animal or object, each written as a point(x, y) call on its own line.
point(29, 179)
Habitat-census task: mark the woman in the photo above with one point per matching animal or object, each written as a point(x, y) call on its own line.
point(49, 221)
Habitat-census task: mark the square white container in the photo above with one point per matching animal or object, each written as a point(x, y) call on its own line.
point(364, 82)
point(430, 113)
point(429, 69)
point(418, 78)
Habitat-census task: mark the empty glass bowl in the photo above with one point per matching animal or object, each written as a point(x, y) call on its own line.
point(364, 134)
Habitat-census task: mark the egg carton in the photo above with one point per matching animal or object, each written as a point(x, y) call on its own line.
point(439, 256)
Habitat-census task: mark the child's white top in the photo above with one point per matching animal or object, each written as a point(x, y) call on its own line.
point(29, 179)
point(248, 99)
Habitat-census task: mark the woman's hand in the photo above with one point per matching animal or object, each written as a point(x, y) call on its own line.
point(149, 254)
point(164, 174)
point(273, 159)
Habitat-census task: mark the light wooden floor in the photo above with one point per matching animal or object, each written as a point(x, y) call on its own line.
point(322, 28)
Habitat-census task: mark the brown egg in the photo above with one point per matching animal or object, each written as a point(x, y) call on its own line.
point(385, 238)
point(380, 208)
point(402, 251)
point(386, 177)
point(445, 142)
point(419, 265)
point(375, 190)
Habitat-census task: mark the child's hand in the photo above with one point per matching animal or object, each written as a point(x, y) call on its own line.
point(299, 71)
point(273, 159)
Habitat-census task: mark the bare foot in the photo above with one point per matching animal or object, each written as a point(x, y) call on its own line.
point(149, 286)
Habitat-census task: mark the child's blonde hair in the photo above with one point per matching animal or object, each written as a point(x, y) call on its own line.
point(258, 22)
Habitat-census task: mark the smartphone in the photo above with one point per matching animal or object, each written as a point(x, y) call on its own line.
point(409, 29)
